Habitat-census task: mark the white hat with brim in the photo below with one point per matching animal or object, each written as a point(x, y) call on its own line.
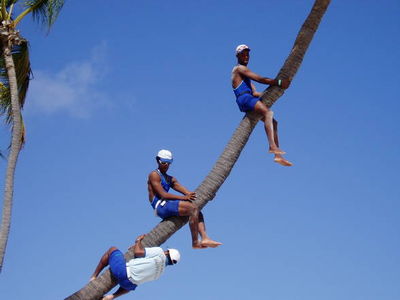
point(165, 156)
point(166, 160)
point(175, 255)
point(242, 47)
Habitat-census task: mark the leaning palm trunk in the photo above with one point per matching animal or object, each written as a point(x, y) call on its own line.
point(221, 170)
point(16, 143)
point(14, 81)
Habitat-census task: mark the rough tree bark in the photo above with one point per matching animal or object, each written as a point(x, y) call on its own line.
point(8, 39)
point(222, 168)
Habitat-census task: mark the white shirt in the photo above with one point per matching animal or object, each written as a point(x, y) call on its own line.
point(147, 268)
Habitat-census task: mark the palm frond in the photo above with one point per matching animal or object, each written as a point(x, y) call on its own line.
point(8, 4)
point(5, 102)
point(23, 71)
point(43, 11)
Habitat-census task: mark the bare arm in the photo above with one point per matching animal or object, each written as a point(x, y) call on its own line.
point(118, 293)
point(138, 248)
point(181, 189)
point(246, 72)
point(155, 182)
point(255, 93)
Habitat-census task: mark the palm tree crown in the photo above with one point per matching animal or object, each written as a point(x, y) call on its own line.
point(11, 14)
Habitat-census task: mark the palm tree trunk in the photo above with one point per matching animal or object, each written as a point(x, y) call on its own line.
point(221, 170)
point(16, 144)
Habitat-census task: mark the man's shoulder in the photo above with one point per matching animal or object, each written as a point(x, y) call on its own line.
point(154, 173)
point(240, 68)
point(155, 248)
point(236, 69)
point(153, 251)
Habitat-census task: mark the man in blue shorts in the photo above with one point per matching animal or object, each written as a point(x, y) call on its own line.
point(166, 205)
point(248, 99)
point(148, 264)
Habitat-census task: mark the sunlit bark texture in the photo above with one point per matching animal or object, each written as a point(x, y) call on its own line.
point(16, 143)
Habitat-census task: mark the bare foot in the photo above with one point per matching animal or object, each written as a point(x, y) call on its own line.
point(276, 151)
point(210, 243)
point(198, 245)
point(283, 162)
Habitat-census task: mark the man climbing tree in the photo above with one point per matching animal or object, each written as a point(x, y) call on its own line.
point(166, 205)
point(248, 99)
point(148, 264)
point(206, 191)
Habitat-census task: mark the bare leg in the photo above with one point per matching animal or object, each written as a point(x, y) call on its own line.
point(102, 263)
point(267, 116)
point(278, 157)
point(205, 239)
point(194, 227)
point(202, 227)
point(275, 126)
point(196, 224)
point(118, 293)
point(187, 208)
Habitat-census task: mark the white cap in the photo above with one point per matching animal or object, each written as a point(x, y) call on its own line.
point(165, 156)
point(175, 255)
point(242, 47)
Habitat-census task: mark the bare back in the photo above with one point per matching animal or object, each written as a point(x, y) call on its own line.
point(150, 184)
point(236, 76)
point(150, 189)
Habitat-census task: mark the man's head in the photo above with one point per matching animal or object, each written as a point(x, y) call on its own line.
point(164, 159)
point(243, 54)
point(173, 256)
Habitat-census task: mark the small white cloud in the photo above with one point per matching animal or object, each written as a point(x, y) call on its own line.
point(74, 89)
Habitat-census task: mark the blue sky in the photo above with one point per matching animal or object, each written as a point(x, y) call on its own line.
point(113, 85)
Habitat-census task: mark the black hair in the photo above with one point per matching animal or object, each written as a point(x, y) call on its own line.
point(169, 259)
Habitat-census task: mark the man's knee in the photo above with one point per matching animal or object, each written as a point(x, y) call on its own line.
point(186, 208)
point(266, 112)
point(112, 249)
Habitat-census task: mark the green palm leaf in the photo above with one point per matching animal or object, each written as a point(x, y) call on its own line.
point(23, 70)
point(10, 2)
point(43, 11)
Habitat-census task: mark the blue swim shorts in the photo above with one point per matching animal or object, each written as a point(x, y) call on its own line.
point(246, 102)
point(118, 269)
point(168, 208)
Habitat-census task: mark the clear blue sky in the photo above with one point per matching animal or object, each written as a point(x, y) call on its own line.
point(113, 84)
